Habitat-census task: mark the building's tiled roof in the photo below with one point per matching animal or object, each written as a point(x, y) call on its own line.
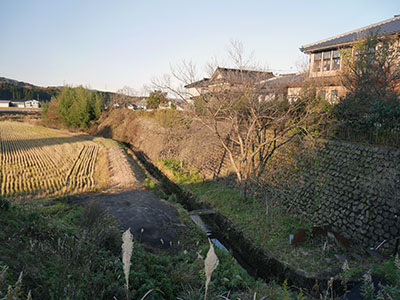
point(285, 80)
point(386, 27)
point(200, 83)
point(232, 76)
point(298, 80)
point(240, 74)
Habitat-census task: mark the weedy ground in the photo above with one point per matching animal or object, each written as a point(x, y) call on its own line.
point(74, 252)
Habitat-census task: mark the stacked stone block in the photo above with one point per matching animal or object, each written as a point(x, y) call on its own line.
point(356, 189)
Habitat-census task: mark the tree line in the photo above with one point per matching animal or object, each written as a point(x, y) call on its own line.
point(10, 91)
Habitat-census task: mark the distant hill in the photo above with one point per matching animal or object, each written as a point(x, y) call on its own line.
point(15, 82)
point(14, 89)
point(18, 90)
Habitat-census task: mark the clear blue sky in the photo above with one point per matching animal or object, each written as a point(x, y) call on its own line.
point(111, 44)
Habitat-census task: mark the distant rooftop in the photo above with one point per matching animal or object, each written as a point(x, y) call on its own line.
point(285, 80)
point(386, 27)
point(231, 75)
point(200, 83)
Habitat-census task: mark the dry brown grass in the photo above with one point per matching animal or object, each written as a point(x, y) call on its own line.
point(122, 175)
point(102, 173)
point(38, 162)
point(127, 247)
point(210, 264)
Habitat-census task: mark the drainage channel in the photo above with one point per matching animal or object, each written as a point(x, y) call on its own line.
point(199, 222)
point(223, 244)
point(225, 235)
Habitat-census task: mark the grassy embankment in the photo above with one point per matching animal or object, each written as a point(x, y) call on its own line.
point(73, 252)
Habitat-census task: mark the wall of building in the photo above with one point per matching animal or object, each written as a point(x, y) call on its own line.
point(194, 92)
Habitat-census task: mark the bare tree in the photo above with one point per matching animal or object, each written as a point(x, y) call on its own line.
point(123, 96)
point(303, 64)
point(238, 56)
point(250, 130)
point(186, 72)
point(181, 74)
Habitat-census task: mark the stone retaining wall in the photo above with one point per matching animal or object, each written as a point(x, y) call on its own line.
point(355, 188)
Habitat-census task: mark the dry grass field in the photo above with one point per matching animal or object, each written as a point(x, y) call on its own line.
point(40, 162)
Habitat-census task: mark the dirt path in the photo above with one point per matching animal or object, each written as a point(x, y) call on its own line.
point(124, 172)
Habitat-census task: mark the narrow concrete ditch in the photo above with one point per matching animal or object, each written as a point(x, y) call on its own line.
point(214, 239)
point(256, 260)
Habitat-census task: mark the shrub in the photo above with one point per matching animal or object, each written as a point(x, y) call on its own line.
point(371, 109)
point(74, 107)
point(4, 204)
point(156, 98)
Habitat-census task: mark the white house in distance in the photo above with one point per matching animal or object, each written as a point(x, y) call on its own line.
point(5, 103)
point(20, 103)
point(32, 103)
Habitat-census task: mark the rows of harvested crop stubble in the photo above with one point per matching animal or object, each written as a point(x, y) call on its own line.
point(38, 162)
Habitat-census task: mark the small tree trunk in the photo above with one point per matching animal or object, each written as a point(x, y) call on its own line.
point(243, 189)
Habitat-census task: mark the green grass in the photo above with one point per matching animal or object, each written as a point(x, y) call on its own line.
point(267, 222)
point(269, 229)
point(181, 172)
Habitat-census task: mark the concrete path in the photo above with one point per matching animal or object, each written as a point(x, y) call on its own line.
point(151, 220)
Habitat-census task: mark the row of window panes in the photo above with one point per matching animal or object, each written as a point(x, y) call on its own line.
point(334, 96)
point(330, 60)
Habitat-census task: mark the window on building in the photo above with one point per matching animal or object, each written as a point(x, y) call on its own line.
point(336, 60)
point(322, 95)
point(317, 62)
point(334, 96)
point(327, 61)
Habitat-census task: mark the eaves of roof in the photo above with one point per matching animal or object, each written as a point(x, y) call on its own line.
point(201, 83)
point(387, 27)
